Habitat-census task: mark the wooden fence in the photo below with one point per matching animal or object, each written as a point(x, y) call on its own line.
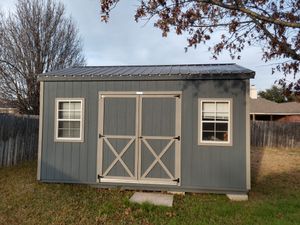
point(18, 139)
point(275, 134)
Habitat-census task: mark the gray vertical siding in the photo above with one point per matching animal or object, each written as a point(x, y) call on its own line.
point(221, 166)
point(202, 167)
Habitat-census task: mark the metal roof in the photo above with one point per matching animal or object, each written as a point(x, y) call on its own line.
point(264, 106)
point(151, 72)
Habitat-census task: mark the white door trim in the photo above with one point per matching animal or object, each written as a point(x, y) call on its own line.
point(138, 178)
point(101, 141)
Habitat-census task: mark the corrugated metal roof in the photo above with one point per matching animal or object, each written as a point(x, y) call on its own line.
point(264, 106)
point(187, 71)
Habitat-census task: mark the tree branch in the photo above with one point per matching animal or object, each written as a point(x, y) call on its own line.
point(11, 65)
point(251, 13)
point(286, 48)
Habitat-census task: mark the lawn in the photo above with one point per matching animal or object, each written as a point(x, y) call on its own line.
point(274, 199)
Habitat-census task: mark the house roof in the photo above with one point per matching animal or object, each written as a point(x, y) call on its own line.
point(264, 106)
point(4, 104)
point(151, 72)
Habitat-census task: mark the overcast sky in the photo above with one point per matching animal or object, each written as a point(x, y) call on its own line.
point(122, 41)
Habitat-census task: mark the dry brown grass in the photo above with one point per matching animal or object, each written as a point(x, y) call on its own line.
point(274, 199)
point(268, 161)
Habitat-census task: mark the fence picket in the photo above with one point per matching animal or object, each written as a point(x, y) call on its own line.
point(18, 139)
point(275, 134)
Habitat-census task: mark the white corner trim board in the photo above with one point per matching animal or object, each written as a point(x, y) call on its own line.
point(41, 116)
point(248, 136)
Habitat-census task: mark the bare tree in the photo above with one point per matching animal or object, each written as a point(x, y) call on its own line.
point(36, 38)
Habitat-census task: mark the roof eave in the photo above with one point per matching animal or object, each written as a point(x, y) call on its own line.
point(207, 76)
point(274, 113)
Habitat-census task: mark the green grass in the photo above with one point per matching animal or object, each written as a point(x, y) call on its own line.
point(273, 200)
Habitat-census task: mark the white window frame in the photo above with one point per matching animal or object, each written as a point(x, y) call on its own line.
point(200, 122)
point(81, 120)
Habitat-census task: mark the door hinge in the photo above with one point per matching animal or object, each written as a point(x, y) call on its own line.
point(99, 178)
point(101, 136)
point(176, 180)
point(178, 138)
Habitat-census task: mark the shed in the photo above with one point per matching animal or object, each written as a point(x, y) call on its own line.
point(154, 127)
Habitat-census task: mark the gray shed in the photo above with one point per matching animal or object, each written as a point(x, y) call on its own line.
point(158, 127)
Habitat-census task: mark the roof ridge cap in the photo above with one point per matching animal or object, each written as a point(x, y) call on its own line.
point(157, 65)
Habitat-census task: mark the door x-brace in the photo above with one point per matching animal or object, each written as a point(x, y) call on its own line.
point(158, 158)
point(118, 156)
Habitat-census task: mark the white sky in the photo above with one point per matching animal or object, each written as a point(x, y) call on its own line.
point(122, 41)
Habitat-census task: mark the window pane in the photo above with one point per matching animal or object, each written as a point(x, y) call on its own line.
point(222, 116)
point(69, 124)
point(75, 114)
point(63, 115)
point(63, 133)
point(208, 136)
point(75, 105)
point(221, 126)
point(222, 136)
point(75, 124)
point(208, 116)
point(64, 124)
point(222, 107)
point(63, 105)
point(208, 107)
point(75, 133)
point(69, 129)
point(208, 126)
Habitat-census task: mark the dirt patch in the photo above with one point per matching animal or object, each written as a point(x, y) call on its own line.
point(266, 162)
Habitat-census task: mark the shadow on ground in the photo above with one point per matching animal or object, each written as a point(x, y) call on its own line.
point(275, 171)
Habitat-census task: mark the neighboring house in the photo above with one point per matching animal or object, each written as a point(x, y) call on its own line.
point(7, 108)
point(263, 109)
point(172, 127)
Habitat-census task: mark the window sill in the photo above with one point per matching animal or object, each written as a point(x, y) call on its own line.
point(69, 140)
point(214, 144)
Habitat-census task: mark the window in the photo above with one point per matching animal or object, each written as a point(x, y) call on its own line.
point(214, 121)
point(69, 120)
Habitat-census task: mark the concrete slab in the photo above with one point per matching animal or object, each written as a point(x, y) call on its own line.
point(237, 197)
point(176, 192)
point(152, 198)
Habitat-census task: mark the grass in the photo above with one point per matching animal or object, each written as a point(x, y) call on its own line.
point(274, 199)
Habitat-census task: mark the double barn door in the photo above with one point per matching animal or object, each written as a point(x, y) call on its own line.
point(139, 138)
